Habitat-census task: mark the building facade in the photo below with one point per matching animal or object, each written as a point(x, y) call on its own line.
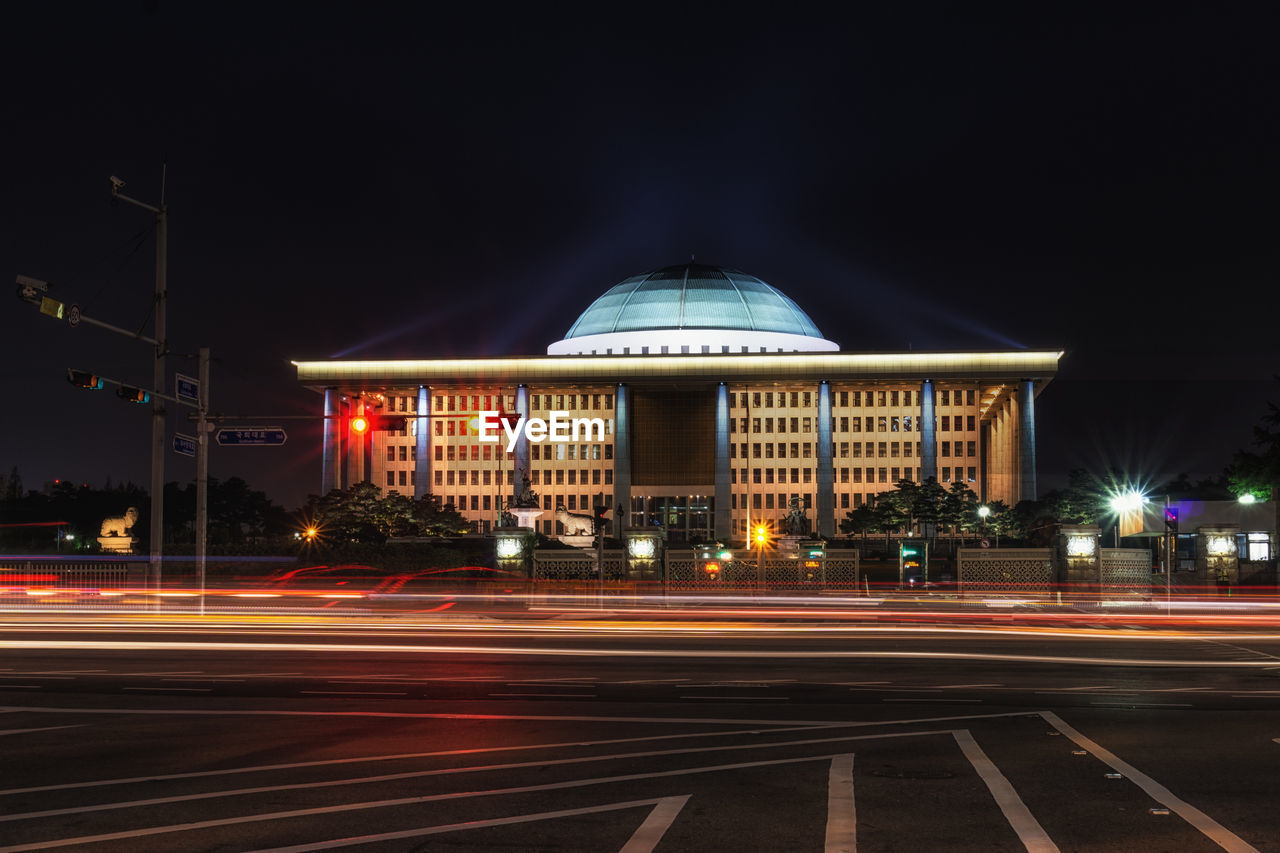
point(706, 401)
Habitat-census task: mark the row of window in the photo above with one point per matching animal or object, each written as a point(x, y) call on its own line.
point(804, 399)
point(847, 450)
point(884, 423)
point(507, 402)
point(946, 474)
point(560, 477)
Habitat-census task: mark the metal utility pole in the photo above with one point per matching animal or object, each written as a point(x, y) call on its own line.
point(202, 472)
point(161, 348)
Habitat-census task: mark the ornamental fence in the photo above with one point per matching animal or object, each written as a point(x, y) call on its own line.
point(686, 569)
point(95, 584)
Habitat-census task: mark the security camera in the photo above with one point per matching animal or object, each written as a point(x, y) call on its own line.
point(116, 184)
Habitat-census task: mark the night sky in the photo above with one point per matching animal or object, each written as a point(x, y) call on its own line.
point(359, 182)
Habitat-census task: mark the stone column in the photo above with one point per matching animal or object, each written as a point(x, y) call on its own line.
point(1217, 557)
point(331, 453)
point(1078, 557)
point(825, 503)
point(522, 440)
point(928, 437)
point(1027, 440)
point(723, 518)
point(422, 471)
point(622, 460)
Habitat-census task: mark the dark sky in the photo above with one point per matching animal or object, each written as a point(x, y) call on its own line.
point(395, 183)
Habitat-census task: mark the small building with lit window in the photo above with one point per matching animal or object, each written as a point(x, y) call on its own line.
point(719, 402)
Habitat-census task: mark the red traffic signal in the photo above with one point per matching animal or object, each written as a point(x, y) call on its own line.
point(84, 379)
point(133, 395)
point(361, 424)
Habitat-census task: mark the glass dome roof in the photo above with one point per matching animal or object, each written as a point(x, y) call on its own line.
point(693, 296)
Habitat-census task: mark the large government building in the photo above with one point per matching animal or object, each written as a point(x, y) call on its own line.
point(694, 398)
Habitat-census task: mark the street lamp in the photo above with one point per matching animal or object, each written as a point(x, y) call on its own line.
point(983, 512)
point(762, 538)
point(1126, 502)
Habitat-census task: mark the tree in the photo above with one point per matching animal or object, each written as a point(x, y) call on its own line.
point(959, 509)
point(1258, 473)
point(860, 520)
point(434, 518)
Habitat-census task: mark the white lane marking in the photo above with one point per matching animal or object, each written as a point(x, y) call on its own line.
point(1127, 704)
point(842, 814)
point(448, 771)
point(481, 824)
point(857, 683)
point(353, 693)
point(595, 651)
point(559, 718)
point(404, 801)
point(41, 729)
point(173, 689)
point(741, 698)
point(61, 671)
point(1214, 831)
point(649, 833)
point(1030, 832)
point(488, 749)
point(549, 695)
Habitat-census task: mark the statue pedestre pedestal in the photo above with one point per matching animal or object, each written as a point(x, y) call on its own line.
point(525, 516)
point(115, 538)
point(116, 544)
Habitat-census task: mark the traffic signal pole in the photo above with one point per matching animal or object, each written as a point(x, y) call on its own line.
point(161, 349)
point(202, 472)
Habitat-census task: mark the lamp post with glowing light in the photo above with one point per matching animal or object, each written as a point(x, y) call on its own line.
point(983, 512)
point(1126, 502)
point(762, 538)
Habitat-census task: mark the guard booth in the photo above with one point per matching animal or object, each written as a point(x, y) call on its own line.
point(913, 563)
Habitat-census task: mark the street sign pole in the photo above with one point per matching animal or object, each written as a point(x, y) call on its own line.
point(202, 472)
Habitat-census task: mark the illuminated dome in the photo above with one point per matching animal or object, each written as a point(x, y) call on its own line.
point(692, 308)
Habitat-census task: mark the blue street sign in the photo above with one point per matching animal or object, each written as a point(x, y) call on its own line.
point(184, 444)
point(186, 388)
point(251, 436)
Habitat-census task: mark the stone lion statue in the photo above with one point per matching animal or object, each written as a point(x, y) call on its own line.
point(120, 524)
point(574, 524)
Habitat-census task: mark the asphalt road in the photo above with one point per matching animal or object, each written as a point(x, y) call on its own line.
point(598, 734)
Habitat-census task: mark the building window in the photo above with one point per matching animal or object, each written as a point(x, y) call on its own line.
point(969, 398)
point(946, 447)
point(391, 478)
point(439, 478)
point(883, 449)
point(449, 478)
point(973, 474)
point(969, 423)
point(404, 478)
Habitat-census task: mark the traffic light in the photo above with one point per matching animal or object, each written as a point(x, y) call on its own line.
point(761, 535)
point(133, 395)
point(84, 379)
point(361, 424)
point(1171, 520)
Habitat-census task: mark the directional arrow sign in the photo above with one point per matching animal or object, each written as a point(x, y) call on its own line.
point(250, 436)
point(184, 444)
